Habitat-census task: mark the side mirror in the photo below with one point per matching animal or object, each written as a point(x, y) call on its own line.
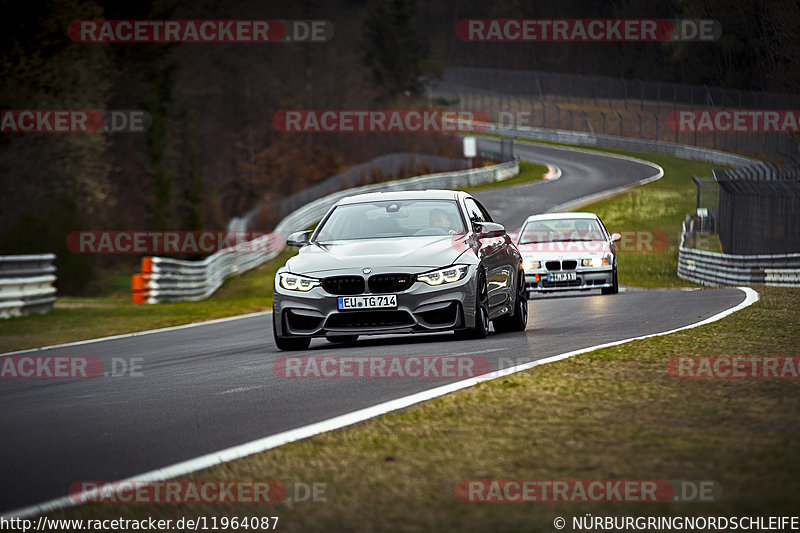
point(489, 229)
point(298, 239)
point(616, 237)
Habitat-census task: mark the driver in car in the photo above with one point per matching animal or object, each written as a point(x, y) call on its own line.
point(439, 219)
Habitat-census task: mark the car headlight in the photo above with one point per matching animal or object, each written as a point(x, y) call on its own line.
point(595, 262)
point(527, 264)
point(444, 275)
point(295, 282)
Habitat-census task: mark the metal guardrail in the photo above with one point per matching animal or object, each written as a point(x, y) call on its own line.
point(164, 279)
point(715, 269)
point(26, 284)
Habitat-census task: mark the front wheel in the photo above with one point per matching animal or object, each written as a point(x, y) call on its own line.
point(614, 289)
point(481, 329)
point(290, 344)
point(517, 320)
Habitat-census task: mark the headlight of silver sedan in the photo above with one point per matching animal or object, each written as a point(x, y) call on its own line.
point(444, 275)
point(296, 282)
point(595, 262)
point(528, 264)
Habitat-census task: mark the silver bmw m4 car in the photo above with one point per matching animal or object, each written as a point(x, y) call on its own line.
point(400, 262)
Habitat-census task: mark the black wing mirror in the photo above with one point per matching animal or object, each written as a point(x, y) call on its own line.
point(299, 238)
point(489, 229)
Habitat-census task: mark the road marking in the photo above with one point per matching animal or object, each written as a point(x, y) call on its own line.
point(137, 333)
point(241, 389)
point(348, 419)
point(552, 174)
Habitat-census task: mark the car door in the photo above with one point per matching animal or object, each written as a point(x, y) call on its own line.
point(494, 255)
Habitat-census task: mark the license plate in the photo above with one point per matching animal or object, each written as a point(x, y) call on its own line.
point(367, 302)
point(562, 276)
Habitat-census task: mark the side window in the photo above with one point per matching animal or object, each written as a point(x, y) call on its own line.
point(475, 212)
point(603, 228)
point(486, 216)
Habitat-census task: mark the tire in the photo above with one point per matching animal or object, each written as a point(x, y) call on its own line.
point(517, 320)
point(342, 339)
point(614, 289)
point(290, 344)
point(481, 329)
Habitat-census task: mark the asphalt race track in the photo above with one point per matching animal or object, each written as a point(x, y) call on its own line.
point(583, 174)
point(212, 386)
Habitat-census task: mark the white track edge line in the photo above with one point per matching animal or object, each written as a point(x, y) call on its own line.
point(348, 419)
point(553, 171)
point(137, 333)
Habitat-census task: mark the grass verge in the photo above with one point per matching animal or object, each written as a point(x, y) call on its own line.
point(610, 414)
point(528, 173)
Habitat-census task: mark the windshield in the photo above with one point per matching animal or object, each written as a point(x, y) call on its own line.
point(387, 219)
point(561, 230)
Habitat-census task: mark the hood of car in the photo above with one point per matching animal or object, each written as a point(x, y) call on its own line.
point(410, 254)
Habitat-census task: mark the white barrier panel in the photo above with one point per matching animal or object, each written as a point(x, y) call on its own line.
point(26, 284)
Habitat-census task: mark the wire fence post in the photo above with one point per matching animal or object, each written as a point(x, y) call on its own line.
point(544, 114)
point(641, 96)
point(625, 85)
point(674, 97)
point(656, 117)
point(658, 98)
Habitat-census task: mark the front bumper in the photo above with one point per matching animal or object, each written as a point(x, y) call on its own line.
point(421, 308)
point(586, 279)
